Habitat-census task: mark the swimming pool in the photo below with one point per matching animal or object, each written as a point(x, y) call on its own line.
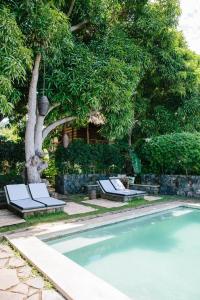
point(149, 258)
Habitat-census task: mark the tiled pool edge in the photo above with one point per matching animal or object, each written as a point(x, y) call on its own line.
point(82, 284)
point(70, 279)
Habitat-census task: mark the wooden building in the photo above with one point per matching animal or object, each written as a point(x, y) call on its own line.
point(90, 134)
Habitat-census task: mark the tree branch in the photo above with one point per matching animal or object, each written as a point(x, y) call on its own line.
point(52, 107)
point(79, 26)
point(52, 126)
point(71, 8)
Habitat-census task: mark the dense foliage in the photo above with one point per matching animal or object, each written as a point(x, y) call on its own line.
point(84, 158)
point(127, 59)
point(123, 58)
point(177, 153)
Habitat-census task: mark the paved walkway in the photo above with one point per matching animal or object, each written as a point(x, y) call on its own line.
point(105, 203)
point(18, 281)
point(8, 218)
point(73, 208)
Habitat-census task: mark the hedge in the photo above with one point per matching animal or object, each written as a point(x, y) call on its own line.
point(80, 157)
point(177, 153)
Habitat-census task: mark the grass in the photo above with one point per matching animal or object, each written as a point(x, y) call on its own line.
point(60, 216)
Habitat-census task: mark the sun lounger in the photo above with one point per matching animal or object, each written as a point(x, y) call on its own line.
point(19, 198)
point(118, 185)
point(111, 193)
point(40, 193)
point(20, 201)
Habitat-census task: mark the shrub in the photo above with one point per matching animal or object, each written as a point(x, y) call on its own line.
point(80, 157)
point(11, 155)
point(177, 153)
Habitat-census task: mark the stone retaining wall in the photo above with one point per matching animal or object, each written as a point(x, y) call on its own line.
point(76, 183)
point(181, 185)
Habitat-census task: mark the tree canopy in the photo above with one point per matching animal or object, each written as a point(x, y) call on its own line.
point(123, 58)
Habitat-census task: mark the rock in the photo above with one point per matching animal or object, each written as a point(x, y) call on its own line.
point(11, 296)
point(51, 295)
point(21, 288)
point(8, 279)
point(36, 282)
point(15, 262)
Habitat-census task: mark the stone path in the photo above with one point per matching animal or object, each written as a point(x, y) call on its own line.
point(105, 203)
point(73, 208)
point(18, 281)
point(7, 218)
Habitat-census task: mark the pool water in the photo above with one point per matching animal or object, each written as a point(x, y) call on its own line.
point(149, 258)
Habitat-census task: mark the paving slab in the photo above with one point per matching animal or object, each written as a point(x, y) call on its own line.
point(24, 272)
point(11, 296)
point(3, 262)
point(8, 218)
point(34, 297)
point(21, 288)
point(104, 203)
point(152, 198)
point(73, 208)
point(37, 282)
point(51, 295)
point(8, 279)
point(16, 262)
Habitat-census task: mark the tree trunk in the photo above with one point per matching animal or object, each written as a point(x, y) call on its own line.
point(38, 133)
point(32, 160)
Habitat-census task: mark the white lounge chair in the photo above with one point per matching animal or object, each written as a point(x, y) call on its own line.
point(113, 194)
point(19, 198)
point(118, 185)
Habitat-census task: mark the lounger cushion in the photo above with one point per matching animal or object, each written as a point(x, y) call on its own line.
point(27, 204)
point(118, 185)
point(17, 192)
point(107, 186)
point(48, 201)
point(38, 190)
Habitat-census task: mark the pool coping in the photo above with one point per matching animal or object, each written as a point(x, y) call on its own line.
point(60, 267)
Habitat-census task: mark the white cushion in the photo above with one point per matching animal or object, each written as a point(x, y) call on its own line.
point(38, 190)
point(17, 192)
point(118, 184)
point(107, 186)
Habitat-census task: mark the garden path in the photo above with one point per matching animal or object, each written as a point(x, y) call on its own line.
point(8, 218)
point(18, 281)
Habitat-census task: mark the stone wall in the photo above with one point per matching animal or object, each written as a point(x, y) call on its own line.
point(181, 185)
point(77, 183)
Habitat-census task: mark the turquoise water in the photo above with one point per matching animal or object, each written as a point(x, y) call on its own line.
point(151, 258)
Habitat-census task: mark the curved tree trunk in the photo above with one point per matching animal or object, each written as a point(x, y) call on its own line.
point(32, 160)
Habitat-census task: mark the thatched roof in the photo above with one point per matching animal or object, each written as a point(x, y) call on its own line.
point(97, 118)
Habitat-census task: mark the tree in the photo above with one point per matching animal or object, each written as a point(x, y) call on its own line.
point(124, 60)
point(64, 44)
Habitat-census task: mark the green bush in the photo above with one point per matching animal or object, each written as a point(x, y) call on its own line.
point(177, 153)
point(84, 158)
point(11, 155)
